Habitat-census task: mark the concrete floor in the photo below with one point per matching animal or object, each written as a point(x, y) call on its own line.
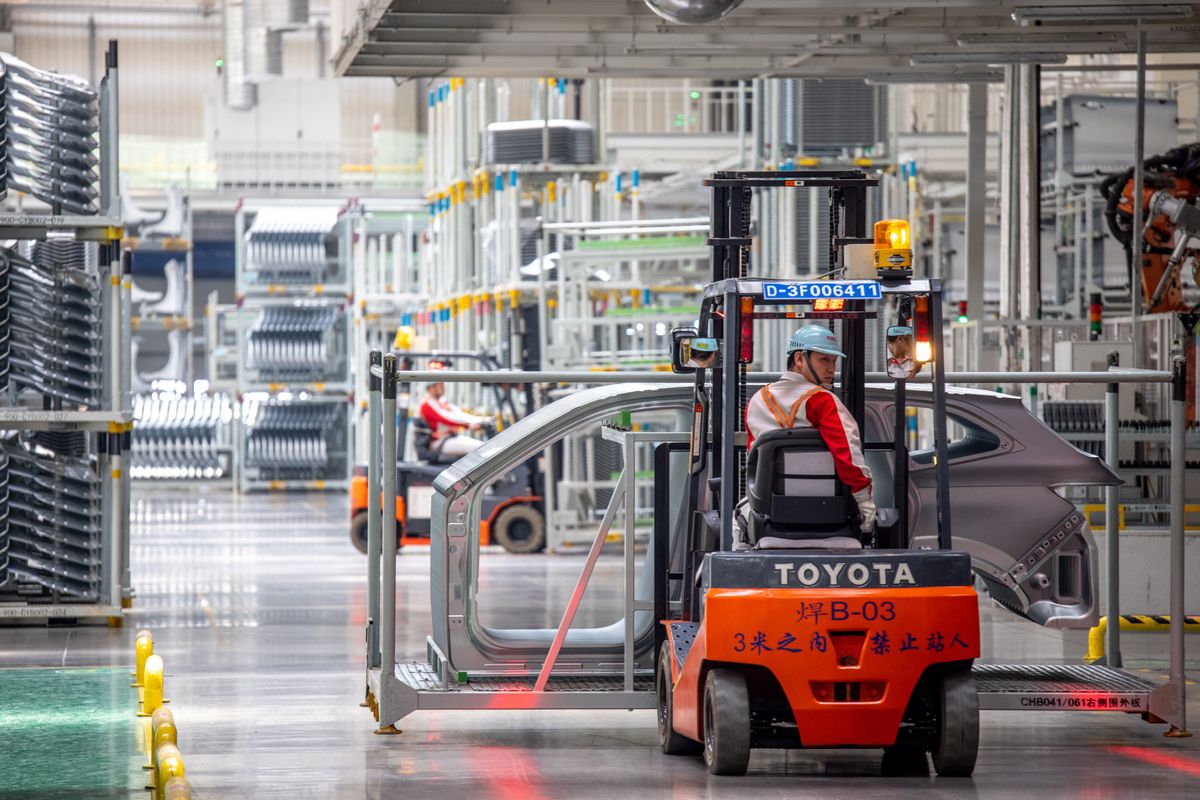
point(257, 607)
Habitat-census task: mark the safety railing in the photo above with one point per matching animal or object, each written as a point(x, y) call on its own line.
point(678, 108)
point(1168, 702)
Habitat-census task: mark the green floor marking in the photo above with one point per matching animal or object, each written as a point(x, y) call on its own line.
point(69, 733)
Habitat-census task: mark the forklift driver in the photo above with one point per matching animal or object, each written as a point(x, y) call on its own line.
point(448, 421)
point(801, 399)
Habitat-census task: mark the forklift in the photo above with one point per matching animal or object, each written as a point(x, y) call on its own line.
point(791, 628)
point(513, 510)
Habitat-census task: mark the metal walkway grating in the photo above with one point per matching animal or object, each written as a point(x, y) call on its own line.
point(1059, 687)
point(1002, 687)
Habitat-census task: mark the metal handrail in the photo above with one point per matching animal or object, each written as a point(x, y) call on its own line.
point(1168, 702)
point(596, 378)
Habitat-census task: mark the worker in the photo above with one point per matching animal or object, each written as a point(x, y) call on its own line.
point(703, 353)
point(900, 363)
point(801, 398)
point(447, 421)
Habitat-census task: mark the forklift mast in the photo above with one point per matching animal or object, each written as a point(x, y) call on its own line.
point(731, 243)
point(728, 314)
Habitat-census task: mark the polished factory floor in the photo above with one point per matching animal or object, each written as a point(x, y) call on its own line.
point(257, 607)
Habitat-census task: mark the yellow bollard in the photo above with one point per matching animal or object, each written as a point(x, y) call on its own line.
point(143, 648)
point(162, 724)
point(152, 693)
point(169, 765)
point(177, 789)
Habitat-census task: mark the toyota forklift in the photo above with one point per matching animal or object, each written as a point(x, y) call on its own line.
point(793, 628)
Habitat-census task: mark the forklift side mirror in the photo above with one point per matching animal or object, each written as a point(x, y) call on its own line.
point(901, 357)
point(691, 353)
point(679, 353)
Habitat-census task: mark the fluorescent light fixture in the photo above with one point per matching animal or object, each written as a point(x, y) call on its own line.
point(1034, 38)
point(948, 76)
point(970, 57)
point(1099, 13)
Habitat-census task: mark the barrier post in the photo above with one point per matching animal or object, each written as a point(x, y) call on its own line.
point(1112, 530)
point(1178, 453)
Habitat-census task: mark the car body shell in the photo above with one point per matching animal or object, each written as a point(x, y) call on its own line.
point(1030, 546)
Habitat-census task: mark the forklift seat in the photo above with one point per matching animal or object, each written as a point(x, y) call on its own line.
point(794, 493)
point(423, 443)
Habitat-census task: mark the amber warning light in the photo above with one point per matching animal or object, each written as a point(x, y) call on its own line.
point(893, 245)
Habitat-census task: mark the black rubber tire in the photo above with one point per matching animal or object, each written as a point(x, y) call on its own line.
point(520, 528)
point(904, 760)
point(726, 723)
point(672, 743)
point(957, 744)
point(358, 532)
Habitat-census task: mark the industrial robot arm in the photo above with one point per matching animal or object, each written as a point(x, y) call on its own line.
point(1170, 237)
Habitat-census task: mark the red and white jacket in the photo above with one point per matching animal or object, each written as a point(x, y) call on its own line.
point(794, 402)
point(445, 419)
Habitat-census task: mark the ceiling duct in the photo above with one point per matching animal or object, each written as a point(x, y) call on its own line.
point(257, 38)
point(240, 92)
point(692, 12)
point(286, 15)
point(254, 32)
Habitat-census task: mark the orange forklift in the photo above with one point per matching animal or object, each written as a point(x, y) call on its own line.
point(794, 628)
point(513, 511)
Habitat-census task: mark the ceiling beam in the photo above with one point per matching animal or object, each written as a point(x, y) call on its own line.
point(580, 38)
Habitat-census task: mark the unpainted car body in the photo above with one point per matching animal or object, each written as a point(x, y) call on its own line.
point(1031, 547)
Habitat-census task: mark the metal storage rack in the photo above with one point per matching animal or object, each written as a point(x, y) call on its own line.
point(178, 438)
point(300, 442)
point(182, 437)
point(381, 244)
point(293, 333)
point(545, 261)
point(221, 344)
point(176, 325)
point(94, 478)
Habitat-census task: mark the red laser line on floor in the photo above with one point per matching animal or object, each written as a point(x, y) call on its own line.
point(1159, 758)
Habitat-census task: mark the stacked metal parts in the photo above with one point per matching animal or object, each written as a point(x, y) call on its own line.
point(571, 142)
point(3, 518)
point(301, 442)
point(182, 437)
point(297, 343)
point(50, 321)
point(5, 326)
point(1069, 418)
point(49, 123)
point(530, 237)
point(291, 246)
point(52, 515)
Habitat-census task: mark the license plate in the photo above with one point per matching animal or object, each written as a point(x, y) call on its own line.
point(807, 291)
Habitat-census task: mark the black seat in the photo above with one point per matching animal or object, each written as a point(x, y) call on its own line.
point(423, 444)
point(793, 489)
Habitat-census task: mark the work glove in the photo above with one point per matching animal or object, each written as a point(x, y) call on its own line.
point(866, 509)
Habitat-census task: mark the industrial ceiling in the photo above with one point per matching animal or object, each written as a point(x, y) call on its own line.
point(758, 38)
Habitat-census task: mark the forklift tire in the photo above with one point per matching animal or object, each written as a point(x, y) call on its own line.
point(672, 743)
point(726, 723)
point(957, 742)
point(520, 528)
point(358, 532)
